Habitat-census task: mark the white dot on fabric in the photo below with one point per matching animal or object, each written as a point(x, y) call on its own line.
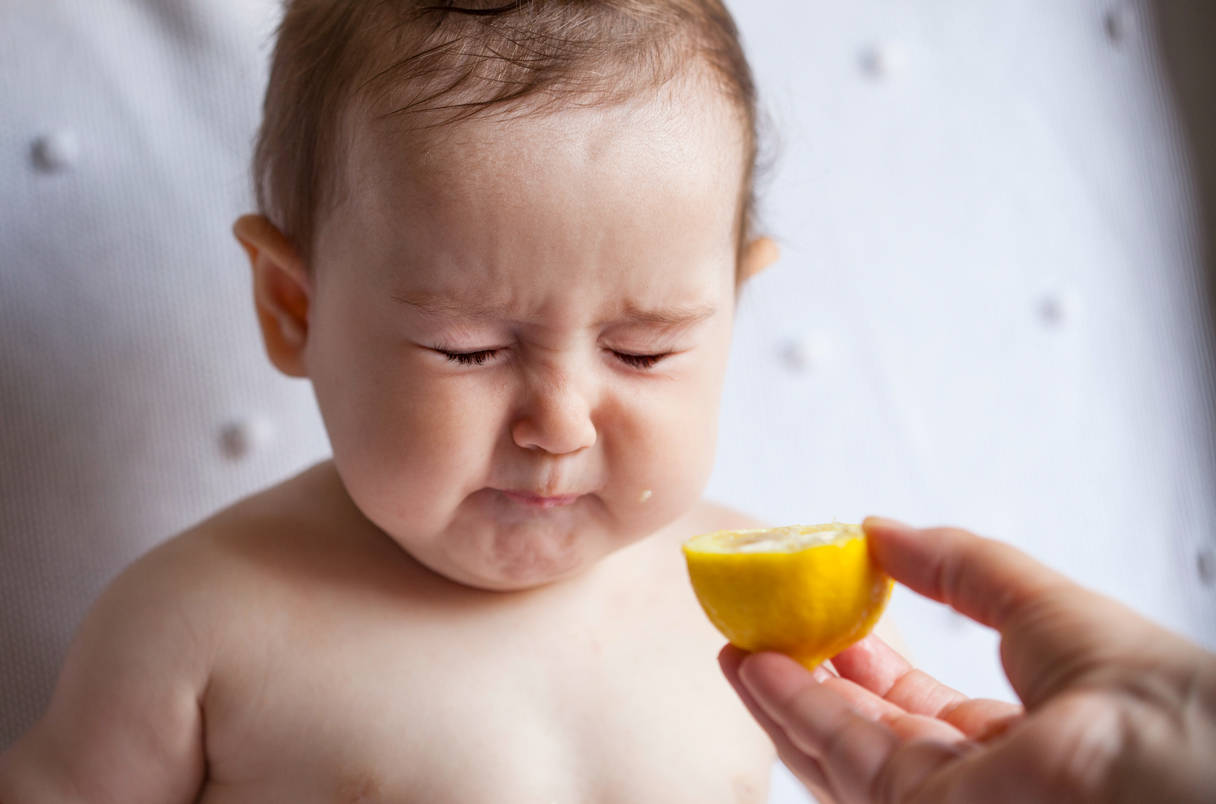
point(1051, 310)
point(1205, 565)
point(1120, 23)
point(239, 439)
point(1057, 308)
point(59, 150)
point(807, 352)
point(880, 61)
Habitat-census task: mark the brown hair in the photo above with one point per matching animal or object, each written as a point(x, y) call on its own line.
point(440, 62)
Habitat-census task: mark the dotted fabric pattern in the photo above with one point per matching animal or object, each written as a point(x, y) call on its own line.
point(994, 306)
point(998, 225)
point(135, 398)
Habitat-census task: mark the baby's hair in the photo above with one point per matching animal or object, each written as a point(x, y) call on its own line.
point(430, 64)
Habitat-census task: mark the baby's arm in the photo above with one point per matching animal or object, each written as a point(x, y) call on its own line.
point(125, 724)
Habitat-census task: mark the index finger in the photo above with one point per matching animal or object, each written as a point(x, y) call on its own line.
point(984, 579)
point(1051, 629)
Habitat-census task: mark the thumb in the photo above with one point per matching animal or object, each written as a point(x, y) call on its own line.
point(1052, 630)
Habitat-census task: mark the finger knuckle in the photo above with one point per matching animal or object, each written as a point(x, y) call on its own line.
point(910, 768)
point(1083, 756)
point(840, 744)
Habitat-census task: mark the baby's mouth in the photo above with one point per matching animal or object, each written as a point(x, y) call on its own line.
point(540, 501)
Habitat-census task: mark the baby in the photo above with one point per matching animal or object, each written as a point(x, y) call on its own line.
point(505, 245)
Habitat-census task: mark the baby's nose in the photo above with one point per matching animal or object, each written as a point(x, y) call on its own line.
point(555, 417)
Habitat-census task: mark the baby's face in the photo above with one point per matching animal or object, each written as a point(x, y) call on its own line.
point(517, 336)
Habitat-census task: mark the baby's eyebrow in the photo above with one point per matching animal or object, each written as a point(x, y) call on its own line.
point(680, 316)
point(437, 304)
point(446, 305)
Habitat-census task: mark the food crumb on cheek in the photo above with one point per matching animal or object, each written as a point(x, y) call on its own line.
point(645, 495)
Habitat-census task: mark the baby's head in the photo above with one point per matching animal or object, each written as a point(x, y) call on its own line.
point(504, 244)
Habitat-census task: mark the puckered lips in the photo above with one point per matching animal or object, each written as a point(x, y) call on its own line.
point(531, 499)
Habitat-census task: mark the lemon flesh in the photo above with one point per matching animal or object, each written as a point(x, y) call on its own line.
point(808, 591)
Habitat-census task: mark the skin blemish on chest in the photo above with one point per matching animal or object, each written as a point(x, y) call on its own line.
point(360, 787)
point(746, 790)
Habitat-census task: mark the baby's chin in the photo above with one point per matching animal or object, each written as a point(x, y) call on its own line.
point(519, 574)
point(514, 557)
point(500, 544)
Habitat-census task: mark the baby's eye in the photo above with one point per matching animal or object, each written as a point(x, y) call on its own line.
point(477, 358)
point(640, 361)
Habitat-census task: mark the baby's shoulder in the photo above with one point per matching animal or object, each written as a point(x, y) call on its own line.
point(241, 557)
point(145, 649)
point(191, 582)
point(285, 535)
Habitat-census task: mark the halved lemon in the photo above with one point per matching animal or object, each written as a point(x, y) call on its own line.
point(808, 591)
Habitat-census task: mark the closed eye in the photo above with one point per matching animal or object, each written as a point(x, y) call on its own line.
point(640, 361)
point(477, 358)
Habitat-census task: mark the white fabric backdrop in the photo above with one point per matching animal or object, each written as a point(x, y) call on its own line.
point(998, 231)
point(134, 396)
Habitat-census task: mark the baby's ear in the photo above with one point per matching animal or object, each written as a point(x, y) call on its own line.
point(758, 254)
point(281, 291)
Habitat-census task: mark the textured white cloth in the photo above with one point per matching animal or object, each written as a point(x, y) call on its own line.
point(134, 394)
point(999, 232)
point(999, 238)
point(998, 222)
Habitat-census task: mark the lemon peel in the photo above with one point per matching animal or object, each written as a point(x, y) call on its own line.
point(808, 591)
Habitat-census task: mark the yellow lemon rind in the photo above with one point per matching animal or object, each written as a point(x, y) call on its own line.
point(759, 599)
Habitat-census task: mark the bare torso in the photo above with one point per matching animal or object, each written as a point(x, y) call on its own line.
point(343, 671)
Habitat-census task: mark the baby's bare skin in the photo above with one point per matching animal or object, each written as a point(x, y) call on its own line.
point(517, 338)
point(296, 654)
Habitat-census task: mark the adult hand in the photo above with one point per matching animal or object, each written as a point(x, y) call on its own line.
point(1116, 708)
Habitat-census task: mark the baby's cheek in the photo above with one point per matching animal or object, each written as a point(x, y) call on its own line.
point(661, 452)
point(443, 431)
point(414, 447)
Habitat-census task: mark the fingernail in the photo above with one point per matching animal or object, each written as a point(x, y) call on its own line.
point(884, 523)
point(730, 656)
point(820, 674)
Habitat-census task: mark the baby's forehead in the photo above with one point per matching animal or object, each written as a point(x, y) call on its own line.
point(691, 125)
point(341, 72)
point(655, 170)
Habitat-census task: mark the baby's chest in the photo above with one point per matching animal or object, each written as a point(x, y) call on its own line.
point(442, 712)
